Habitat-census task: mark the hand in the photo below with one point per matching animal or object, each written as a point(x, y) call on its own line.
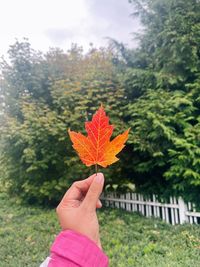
point(77, 209)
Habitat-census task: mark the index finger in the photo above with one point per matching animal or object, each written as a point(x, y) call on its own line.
point(78, 190)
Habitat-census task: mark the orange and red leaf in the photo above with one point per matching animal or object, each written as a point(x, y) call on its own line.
point(96, 147)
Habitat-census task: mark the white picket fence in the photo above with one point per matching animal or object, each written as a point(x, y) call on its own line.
point(176, 211)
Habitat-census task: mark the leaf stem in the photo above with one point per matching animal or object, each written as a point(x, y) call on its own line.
point(96, 168)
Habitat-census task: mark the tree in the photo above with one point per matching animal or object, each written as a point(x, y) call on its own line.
point(26, 75)
point(163, 92)
point(154, 89)
point(169, 44)
point(37, 154)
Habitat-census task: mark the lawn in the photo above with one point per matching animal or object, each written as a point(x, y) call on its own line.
point(129, 239)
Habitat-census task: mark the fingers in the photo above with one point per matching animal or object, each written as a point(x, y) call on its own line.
point(78, 190)
point(94, 192)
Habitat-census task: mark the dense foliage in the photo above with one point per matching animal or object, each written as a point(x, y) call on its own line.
point(165, 74)
point(154, 89)
point(37, 158)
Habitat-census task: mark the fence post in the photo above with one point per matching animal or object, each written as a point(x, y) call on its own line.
point(182, 210)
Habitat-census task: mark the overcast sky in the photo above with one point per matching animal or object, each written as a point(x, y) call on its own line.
point(50, 23)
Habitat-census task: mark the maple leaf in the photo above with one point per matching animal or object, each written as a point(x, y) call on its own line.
point(96, 148)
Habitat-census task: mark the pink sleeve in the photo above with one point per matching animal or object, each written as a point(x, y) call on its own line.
point(71, 249)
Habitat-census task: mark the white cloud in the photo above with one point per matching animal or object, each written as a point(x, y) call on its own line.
point(48, 23)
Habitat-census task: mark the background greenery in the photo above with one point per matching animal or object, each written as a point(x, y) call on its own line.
point(154, 89)
point(26, 234)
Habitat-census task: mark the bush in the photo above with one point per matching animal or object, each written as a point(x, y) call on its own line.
point(165, 142)
point(37, 155)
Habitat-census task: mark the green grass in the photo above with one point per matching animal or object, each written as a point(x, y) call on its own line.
point(129, 240)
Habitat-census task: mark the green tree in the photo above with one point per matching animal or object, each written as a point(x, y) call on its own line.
point(26, 75)
point(37, 153)
point(170, 43)
point(163, 92)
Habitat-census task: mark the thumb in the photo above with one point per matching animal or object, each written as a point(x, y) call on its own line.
point(94, 192)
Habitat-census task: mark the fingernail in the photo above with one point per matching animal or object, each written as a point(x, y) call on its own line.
point(99, 203)
point(99, 178)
